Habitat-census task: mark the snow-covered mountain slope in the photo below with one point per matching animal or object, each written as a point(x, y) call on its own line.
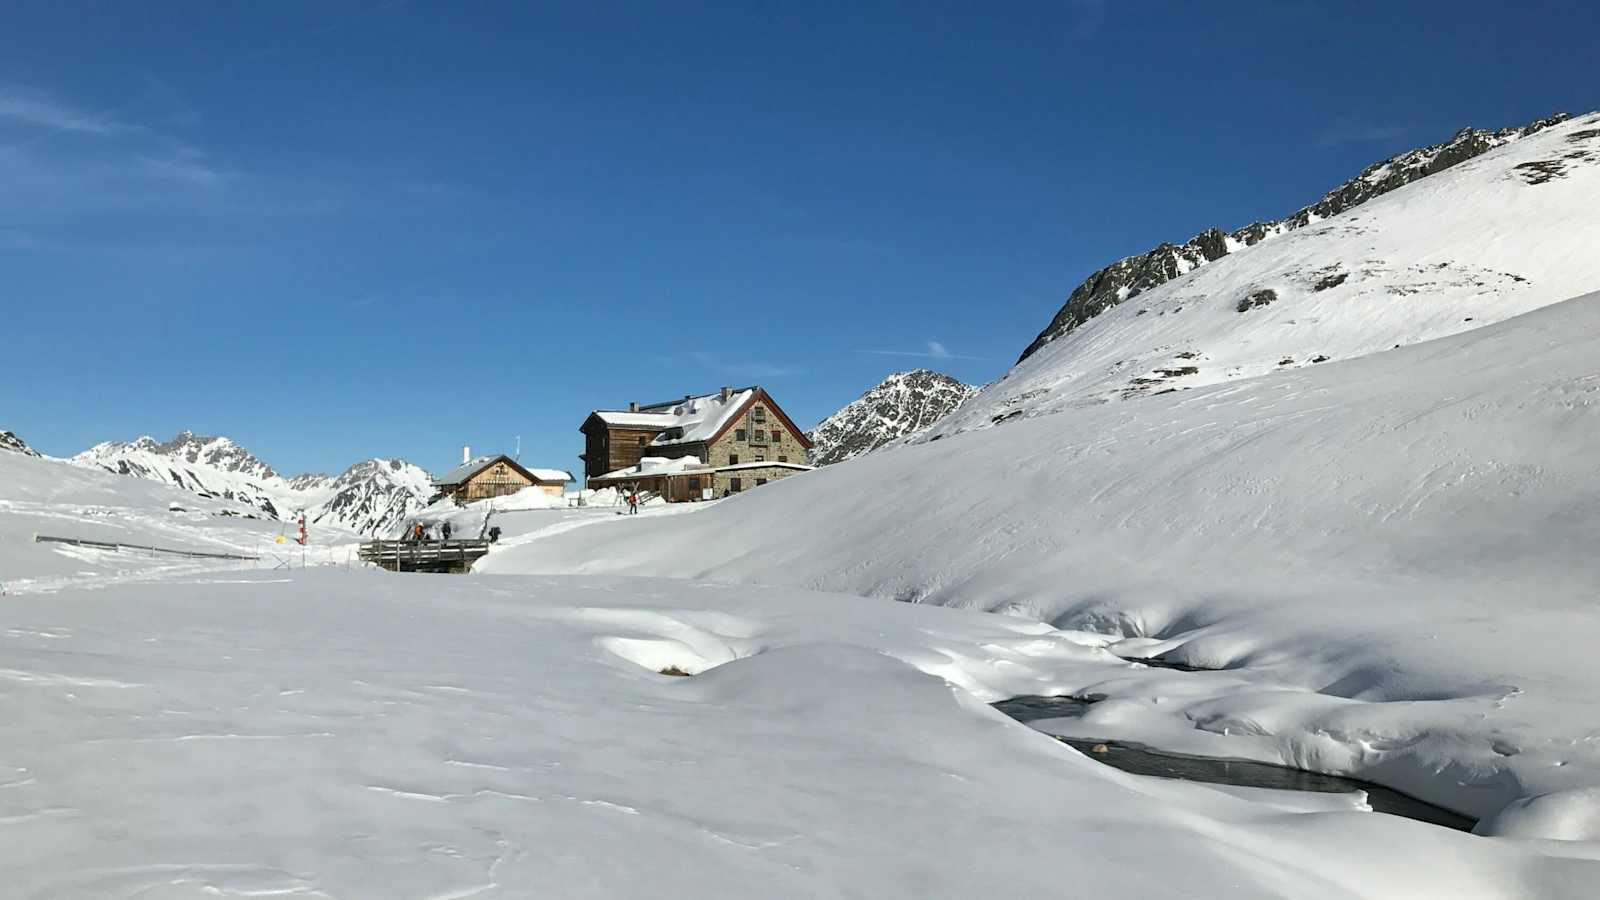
point(10, 442)
point(904, 404)
point(371, 497)
point(1380, 551)
point(1502, 233)
point(207, 466)
point(40, 496)
point(368, 498)
point(1127, 278)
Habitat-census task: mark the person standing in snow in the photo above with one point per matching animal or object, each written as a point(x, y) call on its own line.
point(445, 530)
point(633, 503)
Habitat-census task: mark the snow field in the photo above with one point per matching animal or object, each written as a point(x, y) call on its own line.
point(351, 735)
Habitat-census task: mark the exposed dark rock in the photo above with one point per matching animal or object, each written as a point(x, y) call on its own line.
point(9, 441)
point(1330, 281)
point(1256, 299)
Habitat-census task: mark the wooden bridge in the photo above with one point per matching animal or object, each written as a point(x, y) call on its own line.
point(424, 556)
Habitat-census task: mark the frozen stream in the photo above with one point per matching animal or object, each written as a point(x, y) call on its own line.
point(1140, 760)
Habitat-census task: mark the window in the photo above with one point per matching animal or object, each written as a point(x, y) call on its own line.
point(733, 459)
point(761, 457)
point(760, 482)
point(643, 440)
point(694, 485)
point(739, 434)
point(776, 435)
point(783, 459)
point(735, 485)
point(759, 414)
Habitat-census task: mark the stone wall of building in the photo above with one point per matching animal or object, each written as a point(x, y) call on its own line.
point(748, 478)
point(787, 448)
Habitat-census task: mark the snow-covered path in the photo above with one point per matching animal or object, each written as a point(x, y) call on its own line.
point(364, 735)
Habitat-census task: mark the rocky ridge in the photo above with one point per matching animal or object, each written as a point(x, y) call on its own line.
point(9, 441)
point(1129, 277)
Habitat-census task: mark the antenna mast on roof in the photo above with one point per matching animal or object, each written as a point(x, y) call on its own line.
point(518, 455)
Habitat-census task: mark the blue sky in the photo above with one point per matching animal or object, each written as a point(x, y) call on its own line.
point(333, 231)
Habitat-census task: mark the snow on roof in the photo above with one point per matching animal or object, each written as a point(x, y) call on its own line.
point(657, 465)
point(700, 418)
point(647, 420)
point(765, 464)
point(466, 470)
point(682, 421)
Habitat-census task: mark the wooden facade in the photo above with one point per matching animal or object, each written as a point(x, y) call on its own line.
point(675, 487)
point(609, 448)
point(496, 476)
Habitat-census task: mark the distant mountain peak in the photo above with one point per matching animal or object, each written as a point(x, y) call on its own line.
point(369, 497)
point(902, 405)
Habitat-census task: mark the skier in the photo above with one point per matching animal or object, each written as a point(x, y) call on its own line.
point(633, 503)
point(445, 530)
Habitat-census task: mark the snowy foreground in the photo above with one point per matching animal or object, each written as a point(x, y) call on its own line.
point(1392, 559)
point(358, 734)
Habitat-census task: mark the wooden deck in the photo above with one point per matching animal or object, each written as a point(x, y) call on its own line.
point(424, 556)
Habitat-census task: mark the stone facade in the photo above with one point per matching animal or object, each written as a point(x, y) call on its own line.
point(744, 479)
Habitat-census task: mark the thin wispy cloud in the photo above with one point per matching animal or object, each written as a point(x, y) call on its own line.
point(742, 369)
point(933, 350)
point(29, 108)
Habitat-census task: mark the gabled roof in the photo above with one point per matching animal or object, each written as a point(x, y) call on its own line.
point(694, 418)
point(464, 472)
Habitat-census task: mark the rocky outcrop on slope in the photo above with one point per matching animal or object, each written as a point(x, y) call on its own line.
point(10, 442)
point(1129, 277)
point(902, 405)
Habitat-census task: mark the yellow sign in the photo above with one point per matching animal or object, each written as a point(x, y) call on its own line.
point(279, 539)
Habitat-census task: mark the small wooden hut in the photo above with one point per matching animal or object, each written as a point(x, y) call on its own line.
point(495, 476)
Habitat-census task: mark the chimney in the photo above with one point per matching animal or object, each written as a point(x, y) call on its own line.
point(726, 393)
point(466, 453)
point(633, 406)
